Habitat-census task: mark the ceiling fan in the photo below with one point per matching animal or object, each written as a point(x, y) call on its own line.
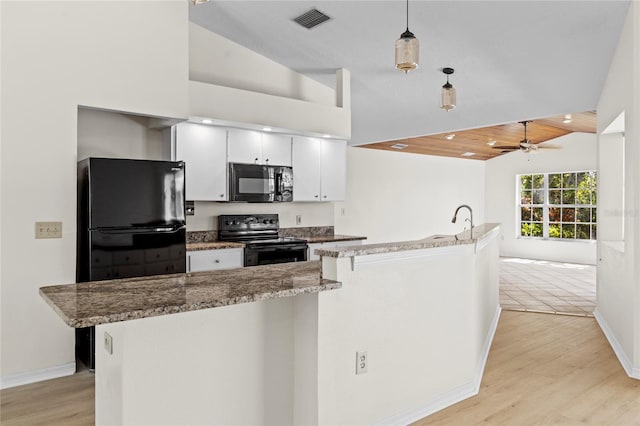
point(525, 144)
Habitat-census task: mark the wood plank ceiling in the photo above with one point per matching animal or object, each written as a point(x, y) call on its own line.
point(484, 142)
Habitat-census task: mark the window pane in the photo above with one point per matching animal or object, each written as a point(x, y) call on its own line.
point(583, 196)
point(583, 179)
point(555, 180)
point(568, 231)
point(525, 182)
point(524, 229)
point(583, 215)
point(537, 214)
point(593, 197)
point(554, 231)
point(554, 214)
point(568, 215)
point(594, 217)
point(592, 179)
point(538, 181)
point(538, 196)
point(555, 197)
point(526, 197)
point(569, 180)
point(568, 196)
point(536, 230)
point(593, 232)
point(583, 232)
point(525, 213)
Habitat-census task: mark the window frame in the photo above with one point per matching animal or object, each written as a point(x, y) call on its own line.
point(547, 206)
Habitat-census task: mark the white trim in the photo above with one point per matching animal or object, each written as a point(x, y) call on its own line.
point(486, 239)
point(455, 395)
point(484, 354)
point(633, 372)
point(33, 376)
point(409, 255)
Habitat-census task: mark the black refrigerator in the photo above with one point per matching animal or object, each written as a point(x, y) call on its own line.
point(131, 223)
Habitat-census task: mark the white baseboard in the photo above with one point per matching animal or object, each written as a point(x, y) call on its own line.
point(25, 378)
point(454, 395)
point(633, 372)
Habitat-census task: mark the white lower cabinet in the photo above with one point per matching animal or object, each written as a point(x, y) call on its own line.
point(330, 244)
point(211, 260)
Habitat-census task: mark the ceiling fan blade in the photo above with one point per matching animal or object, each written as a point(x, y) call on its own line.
point(512, 148)
point(548, 147)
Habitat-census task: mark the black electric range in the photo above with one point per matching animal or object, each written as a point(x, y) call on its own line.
point(259, 234)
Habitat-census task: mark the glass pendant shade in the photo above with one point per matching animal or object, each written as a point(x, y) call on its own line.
point(407, 52)
point(448, 97)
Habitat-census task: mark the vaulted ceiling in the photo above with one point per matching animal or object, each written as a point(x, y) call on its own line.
point(513, 60)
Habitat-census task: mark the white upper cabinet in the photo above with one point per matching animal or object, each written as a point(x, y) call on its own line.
point(276, 149)
point(204, 151)
point(319, 169)
point(333, 169)
point(306, 169)
point(252, 147)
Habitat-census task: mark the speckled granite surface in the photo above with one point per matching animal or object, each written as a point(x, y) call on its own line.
point(332, 237)
point(429, 242)
point(101, 302)
point(306, 231)
point(214, 245)
point(201, 236)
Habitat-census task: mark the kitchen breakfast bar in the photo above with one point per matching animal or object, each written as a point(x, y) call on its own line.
point(277, 344)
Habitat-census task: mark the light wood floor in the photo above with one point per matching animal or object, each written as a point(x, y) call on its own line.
point(546, 369)
point(542, 370)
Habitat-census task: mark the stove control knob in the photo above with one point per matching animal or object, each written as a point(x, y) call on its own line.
point(265, 221)
point(272, 221)
point(235, 222)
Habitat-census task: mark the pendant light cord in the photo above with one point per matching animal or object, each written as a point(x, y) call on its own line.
point(407, 15)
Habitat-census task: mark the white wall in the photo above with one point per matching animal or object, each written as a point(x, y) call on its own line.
point(114, 135)
point(216, 60)
point(394, 196)
point(618, 271)
point(579, 152)
point(55, 57)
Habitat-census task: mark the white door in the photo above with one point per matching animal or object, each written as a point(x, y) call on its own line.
point(334, 170)
point(245, 146)
point(276, 149)
point(306, 169)
point(204, 151)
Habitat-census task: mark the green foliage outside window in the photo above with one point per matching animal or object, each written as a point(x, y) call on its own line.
point(564, 202)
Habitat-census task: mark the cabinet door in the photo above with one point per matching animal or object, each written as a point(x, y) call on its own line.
point(204, 151)
point(245, 146)
point(211, 260)
point(334, 170)
point(306, 169)
point(276, 149)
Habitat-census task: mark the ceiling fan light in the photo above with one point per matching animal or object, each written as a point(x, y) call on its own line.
point(407, 52)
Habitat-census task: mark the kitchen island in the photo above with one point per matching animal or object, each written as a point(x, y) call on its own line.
point(424, 311)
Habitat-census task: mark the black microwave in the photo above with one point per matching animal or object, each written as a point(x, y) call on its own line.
point(257, 183)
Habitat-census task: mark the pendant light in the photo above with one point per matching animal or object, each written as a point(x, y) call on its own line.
point(407, 49)
point(448, 101)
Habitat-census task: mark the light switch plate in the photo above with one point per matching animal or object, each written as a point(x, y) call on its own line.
point(108, 343)
point(48, 230)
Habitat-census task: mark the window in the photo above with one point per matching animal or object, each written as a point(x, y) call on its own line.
point(558, 205)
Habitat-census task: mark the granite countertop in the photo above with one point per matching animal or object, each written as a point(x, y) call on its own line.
point(102, 302)
point(213, 245)
point(331, 238)
point(216, 245)
point(429, 242)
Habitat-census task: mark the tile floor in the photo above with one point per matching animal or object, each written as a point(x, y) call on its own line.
point(551, 287)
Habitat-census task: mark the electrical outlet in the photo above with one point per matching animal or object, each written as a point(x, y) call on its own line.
point(362, 362)
point(342, 211)
point(48, 230)
point(108, 343)
point(298, 219)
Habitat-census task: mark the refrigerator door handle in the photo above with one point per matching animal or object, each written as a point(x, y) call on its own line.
point(168, 230)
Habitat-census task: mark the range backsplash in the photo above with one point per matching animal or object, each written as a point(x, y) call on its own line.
point(298, 232)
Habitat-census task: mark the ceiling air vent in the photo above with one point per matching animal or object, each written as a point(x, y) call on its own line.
point(311, 18)
point(399, 146)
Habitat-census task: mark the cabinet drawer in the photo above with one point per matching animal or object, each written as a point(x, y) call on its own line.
point(209, 260)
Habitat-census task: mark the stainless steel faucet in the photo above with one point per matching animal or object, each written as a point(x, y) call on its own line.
point(455, 215)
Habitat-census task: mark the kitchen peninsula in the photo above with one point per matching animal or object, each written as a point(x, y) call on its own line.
point(424, 311)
